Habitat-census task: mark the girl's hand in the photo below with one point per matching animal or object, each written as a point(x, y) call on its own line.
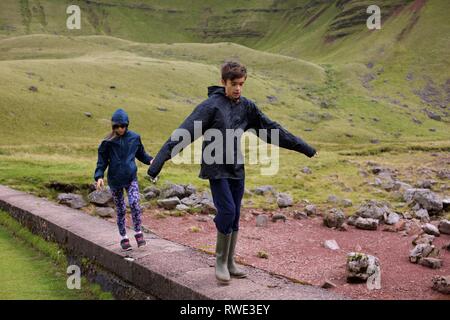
point(151, 161)
point(100, 184)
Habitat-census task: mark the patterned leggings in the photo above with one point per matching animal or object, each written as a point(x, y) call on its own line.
point(133, 200)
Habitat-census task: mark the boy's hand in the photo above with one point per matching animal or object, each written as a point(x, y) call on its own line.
point(153, 180)
point(316, 154)
point(100, 184)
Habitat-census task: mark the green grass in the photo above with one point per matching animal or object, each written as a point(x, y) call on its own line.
point(46, 136)
point(34, 269)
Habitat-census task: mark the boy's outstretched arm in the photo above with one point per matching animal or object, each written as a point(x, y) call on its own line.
point(141, 155)
point(102, 162)
point(258, 120)
point(201, 114)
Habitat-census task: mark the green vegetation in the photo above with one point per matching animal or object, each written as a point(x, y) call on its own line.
point(156, 59)
point(32, 268)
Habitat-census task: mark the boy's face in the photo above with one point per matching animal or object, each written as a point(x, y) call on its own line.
point(233, 88)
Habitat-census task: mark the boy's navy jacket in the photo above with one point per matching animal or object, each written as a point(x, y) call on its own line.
point(221, 113)
point(119, 155)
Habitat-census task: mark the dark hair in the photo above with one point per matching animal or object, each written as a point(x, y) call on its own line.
point(233, 70)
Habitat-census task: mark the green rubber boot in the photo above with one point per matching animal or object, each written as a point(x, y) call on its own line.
point(232, 267)
point(222, 247)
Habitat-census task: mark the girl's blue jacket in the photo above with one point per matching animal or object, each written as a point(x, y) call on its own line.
point(119, 155)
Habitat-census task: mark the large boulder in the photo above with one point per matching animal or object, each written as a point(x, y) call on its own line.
point(425, 198)
point(334, 218)
point(374, 210)
point(361, 266)
point(101, 198)
point(72, 200)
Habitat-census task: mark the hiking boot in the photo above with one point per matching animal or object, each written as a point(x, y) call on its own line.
point(140, 239)
point(125, 244)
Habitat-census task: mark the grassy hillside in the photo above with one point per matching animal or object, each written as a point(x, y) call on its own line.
point(312, 65)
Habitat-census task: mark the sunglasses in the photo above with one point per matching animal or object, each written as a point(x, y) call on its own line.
point(119, 126)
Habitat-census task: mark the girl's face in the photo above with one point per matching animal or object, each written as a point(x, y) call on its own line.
point(120, 129)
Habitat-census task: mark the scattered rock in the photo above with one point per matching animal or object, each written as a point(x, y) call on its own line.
point(272, 99)
point(151, 192)
point(72, 200)
point(331, 244)
point(264, 190)
point(284, 200)
point(425, 184)
point(169, 203)
point(422, 215)
point(361, 266)
point(334, 218)
point(181, 207)
point(173, 190)
point(101, 198)
point(300, 215)
point(400, 226)
point(328, 285)
point(373, 209)
point(423, 239)
point(33, 89)
point(392, 218)
point(88, 114)
point(441, 284)
point(366, 223)
point(421, 251)
point(278, 216)
point(433, 263)
point(105, 212)
point(262, 220)
point(413, 227)
point(429, 228)
point(332, 199)
point(208, 207)
point(310, 210)
point(426, 198)
point(444, 226)
point(307, 170)
point(347, 203)
point(352, 220)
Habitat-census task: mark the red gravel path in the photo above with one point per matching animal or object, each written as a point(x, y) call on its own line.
point(295, 250)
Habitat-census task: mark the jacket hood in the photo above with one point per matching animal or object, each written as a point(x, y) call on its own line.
point(120, 117)
point(216, 90)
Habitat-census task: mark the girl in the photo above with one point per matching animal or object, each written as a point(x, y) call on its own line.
point(118, 151)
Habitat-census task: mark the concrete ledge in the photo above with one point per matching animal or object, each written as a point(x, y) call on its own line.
point(160, 270)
